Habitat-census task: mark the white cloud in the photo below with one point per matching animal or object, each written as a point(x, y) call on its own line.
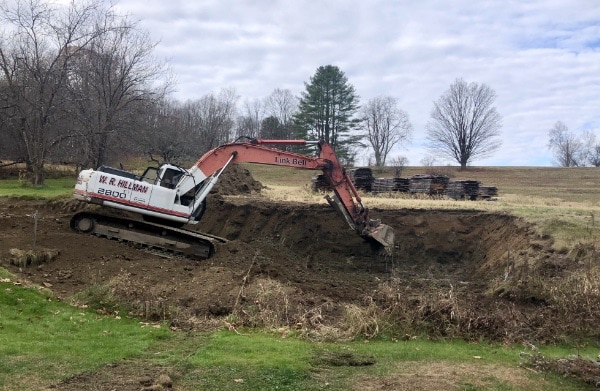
point(541, 57)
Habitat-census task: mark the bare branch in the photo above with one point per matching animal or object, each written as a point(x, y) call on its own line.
point(386, 125)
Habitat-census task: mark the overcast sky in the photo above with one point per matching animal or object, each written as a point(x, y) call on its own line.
point(542, 57)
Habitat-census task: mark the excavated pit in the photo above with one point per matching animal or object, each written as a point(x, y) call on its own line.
point(298, 265)
point(292, 260)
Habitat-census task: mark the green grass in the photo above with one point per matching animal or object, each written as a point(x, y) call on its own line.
point(51, 189)
point(265, 361)
point(43, 340)
point(253, 362)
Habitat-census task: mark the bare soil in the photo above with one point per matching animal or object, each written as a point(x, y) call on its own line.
point(298, 264)
point(308, 249)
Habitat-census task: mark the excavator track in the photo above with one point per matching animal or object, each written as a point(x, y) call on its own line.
point(166, 241)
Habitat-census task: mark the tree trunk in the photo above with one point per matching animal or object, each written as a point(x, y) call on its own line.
point(37, 173)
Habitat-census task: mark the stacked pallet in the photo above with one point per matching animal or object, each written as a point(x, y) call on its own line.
point(362, 178)
point(439, 184)
point(432, 185)
point(463, 189)
point(420, 184)
point(428, 184)
point(383, 185)
point(319, 183)
point(401, 184)
point(487, 192)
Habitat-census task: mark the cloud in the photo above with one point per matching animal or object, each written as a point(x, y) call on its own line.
point(541, 57)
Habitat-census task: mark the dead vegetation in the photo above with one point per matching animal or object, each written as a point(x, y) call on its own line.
point(588, 371)
point(32, 257)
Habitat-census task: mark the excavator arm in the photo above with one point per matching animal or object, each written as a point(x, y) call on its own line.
point(346, 200)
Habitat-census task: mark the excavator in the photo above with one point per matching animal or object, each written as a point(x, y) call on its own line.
point(168, 197)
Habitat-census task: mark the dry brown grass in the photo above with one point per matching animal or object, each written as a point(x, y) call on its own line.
point(446, 375)
point(32, 257)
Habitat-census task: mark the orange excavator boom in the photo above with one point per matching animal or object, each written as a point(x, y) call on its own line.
point(346, 200)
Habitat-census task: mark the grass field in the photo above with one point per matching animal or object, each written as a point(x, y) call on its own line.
point(43, 340)
point(52, 188)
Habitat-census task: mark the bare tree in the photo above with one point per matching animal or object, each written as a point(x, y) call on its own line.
point(248, 124)
point(170, 133)
point(174, 132)
point(464, 123)
point(568, 150)
point(282, 105)
point(398, 163)
point(35, 61)
point(591, 149)
point(386, 125)
point(10, 147)
point(106, 81)
point(428, 161)
point(593, 155)
point(215, 113)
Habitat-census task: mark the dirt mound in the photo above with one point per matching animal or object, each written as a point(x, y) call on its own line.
point(236, 180)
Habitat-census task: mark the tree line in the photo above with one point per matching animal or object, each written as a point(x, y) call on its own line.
point(569, 150)
point(79, 85)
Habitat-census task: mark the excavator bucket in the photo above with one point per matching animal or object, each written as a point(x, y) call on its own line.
point(384, 235)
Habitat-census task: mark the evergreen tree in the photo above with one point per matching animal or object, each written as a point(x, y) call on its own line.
point(271, 128)
point(326, 109)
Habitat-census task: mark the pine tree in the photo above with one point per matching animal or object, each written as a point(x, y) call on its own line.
point(326, 109)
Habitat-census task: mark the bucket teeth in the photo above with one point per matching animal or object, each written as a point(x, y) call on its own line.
point(384, 235)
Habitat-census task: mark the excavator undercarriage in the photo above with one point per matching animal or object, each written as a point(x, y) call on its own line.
point(164, 240)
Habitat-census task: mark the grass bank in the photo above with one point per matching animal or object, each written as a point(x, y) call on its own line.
point(61, 187)
point(43, 340)
point(47, 342)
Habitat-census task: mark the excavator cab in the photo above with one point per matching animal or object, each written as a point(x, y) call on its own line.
point(167, 175)
point(150, 175)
